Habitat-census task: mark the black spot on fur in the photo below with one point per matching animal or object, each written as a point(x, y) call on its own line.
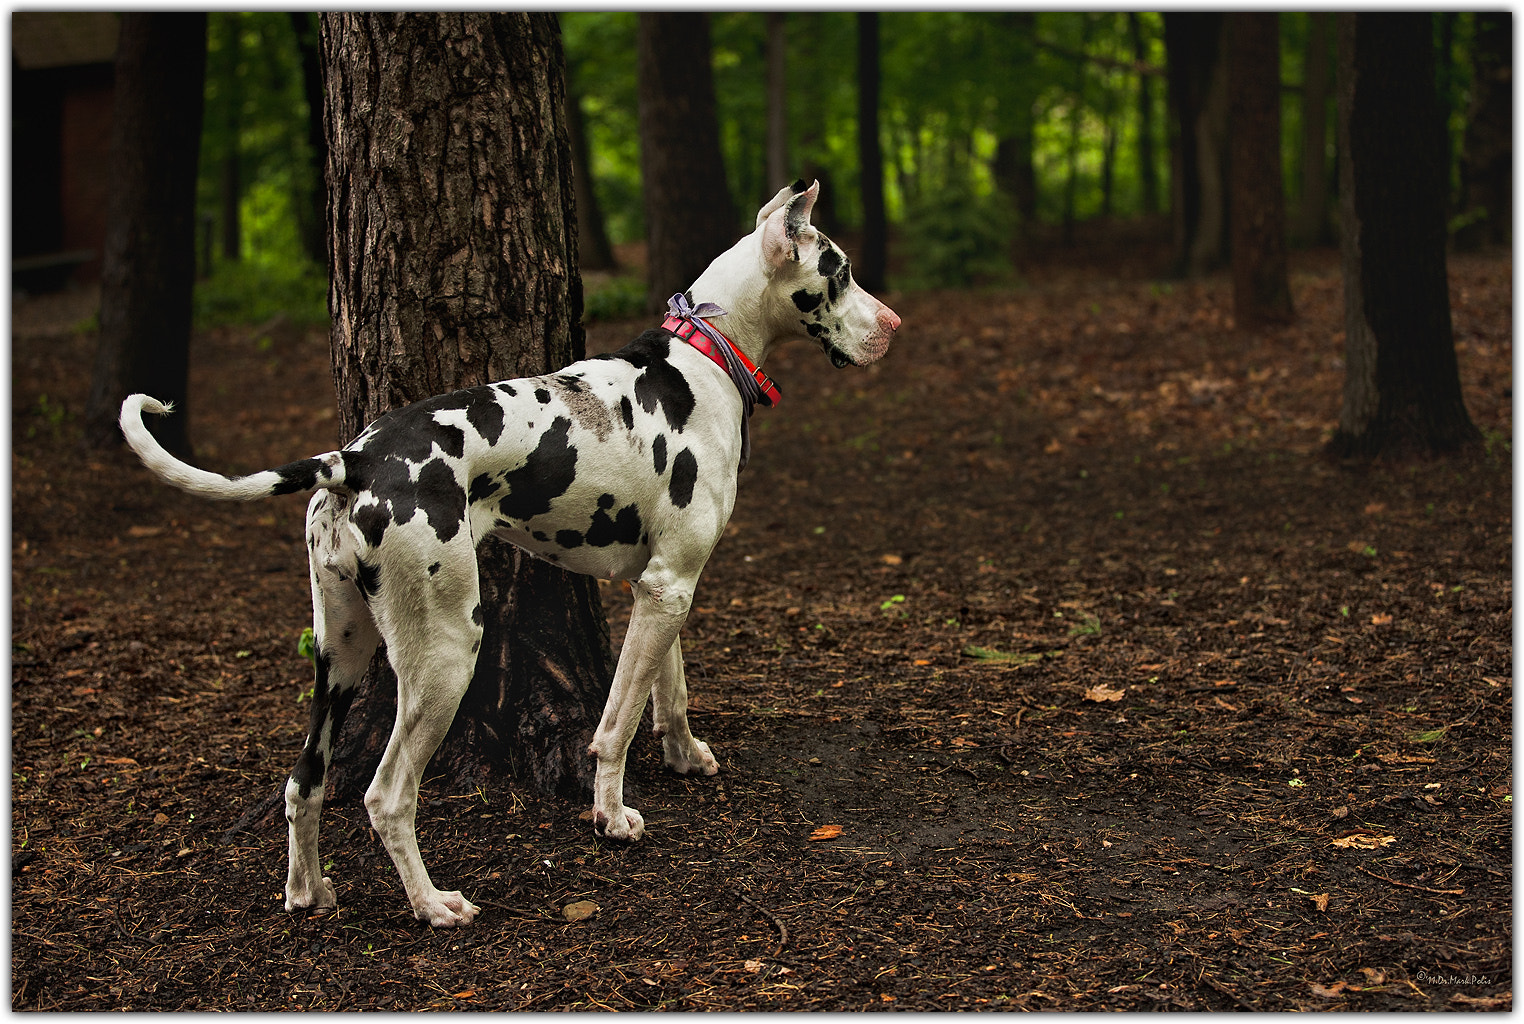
point(831, 261)
point(434, 569)
point(476, 614)
point(482, 487)
point(389, 480)
point(485, 415)
point(540, 536)
point(684, 476)
point(544, 476)
point(441, 499)
point(627, 412)
point(798, 186)
point(542, 396)
point(659, 453)
point(308, 773)
point(661, 384)
point(570, 383)
point(806, 300)
point(368, 578)
point(507, 389)
point(569, 538)
point(623, 528)
point(297, 476)
point(605, 501)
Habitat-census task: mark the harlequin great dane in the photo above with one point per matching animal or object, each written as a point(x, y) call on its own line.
point(621, 466)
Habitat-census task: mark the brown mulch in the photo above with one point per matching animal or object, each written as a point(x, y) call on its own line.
point(1048, 664)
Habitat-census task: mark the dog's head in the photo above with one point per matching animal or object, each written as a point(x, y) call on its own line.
point(812, 281)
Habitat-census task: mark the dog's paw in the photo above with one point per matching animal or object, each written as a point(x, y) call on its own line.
point(446, 910)
point(626, 824)
point(319, 898)
point(696, 759)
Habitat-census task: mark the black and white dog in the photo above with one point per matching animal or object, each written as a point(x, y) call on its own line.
point(621, 467)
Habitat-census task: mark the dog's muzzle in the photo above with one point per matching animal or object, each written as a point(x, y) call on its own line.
point(839, 359)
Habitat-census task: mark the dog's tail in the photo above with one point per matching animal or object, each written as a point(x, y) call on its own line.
point(325, 471)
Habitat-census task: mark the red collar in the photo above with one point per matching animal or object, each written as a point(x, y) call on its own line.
point(688, 330)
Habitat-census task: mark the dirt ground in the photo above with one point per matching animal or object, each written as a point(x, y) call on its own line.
point(1048, 664)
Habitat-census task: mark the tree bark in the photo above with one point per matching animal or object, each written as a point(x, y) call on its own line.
point(1311, 225)
point(454, 263)
point(1402, 386)
point(873, 262)
point(149, 261)
point(689, 216)
point(1487, 154)
point(1261, 290)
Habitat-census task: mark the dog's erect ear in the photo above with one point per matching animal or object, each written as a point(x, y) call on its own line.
point(784, 221)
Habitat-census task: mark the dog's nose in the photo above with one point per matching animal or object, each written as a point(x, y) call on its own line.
point(888, 319)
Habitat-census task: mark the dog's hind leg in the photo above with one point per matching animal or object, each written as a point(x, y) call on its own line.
point(433, 631)
point(344, 638)
point(681, 752)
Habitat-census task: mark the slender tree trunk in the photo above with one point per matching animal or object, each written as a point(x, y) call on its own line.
point(1071, 178)
point(594, 247)
point(311, 215)
point(454, 263)
point(872, 263)
point(1487, 156)
point(149, 261)
point(1311, 226)
point(1148, 170)
point(689, 216)
point(1402, 385)
point(779, 172)
point(1261, 289)
point(230, 186)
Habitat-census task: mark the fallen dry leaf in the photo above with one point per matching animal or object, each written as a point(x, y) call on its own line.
point(752, 966)
point(1363, 841)
point(1329, 991)
point(1319, 900)
point(1102, 693)
point(825, 832)
point(1381, 620)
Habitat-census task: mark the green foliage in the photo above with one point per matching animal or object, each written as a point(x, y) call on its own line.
point(959, 240)
point(618, 298)
point(306, 645)
point(253, 292)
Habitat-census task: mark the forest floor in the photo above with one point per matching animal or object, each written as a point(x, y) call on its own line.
point(1049, 665)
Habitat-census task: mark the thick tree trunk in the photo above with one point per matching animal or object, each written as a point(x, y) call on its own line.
point(1402, 386)
point(1261, 290)
point(872, 263)
point(1311, 224)
point(1198, 103)
point(149, 263)
point(1487, 158)
point(689, 216)
point(454, 263)
point(312, 214)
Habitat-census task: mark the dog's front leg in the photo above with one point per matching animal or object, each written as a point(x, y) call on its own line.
point(661, 606)
point(681, 752)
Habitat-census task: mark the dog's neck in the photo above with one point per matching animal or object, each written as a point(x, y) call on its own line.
point(750, 322)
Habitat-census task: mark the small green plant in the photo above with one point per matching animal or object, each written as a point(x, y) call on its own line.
point(52, 414)
point(893, 605)
point(1090, 627)
point(306, 647)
